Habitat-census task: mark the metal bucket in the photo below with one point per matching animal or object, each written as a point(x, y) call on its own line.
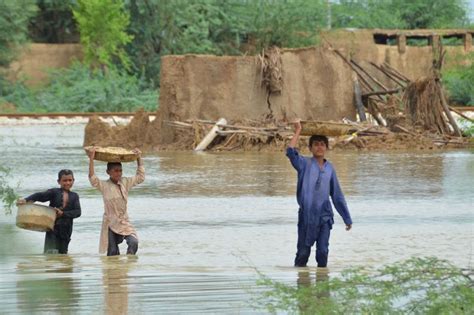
point(35, 217)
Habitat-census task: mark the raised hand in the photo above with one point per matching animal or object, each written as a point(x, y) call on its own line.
point(91, 153)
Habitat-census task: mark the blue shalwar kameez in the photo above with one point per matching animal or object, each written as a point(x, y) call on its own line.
point(315, 217)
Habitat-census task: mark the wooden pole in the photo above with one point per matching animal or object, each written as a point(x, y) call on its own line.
point(389, 75)
point(382, 92)
point(211, 135)
point(395, 72)
point(369, 76)
point(460, 114)
point(447, 112)
point(358, 98)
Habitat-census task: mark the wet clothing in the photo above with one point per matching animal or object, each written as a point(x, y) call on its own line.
point(58, 239)
point(315, 217)
point(322, 246)
point(115, 239)
point(115, 198)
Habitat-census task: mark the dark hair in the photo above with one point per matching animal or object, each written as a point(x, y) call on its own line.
point(111, 165)
point(65, 173)
point(321, 138)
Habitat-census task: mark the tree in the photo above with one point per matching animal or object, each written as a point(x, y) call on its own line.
point(14, 17)
point(219, 27)
point(431, 13)
point(164, 27)
point(404, 14)
point(54, 22)
point(366, 14)
point(102, 25)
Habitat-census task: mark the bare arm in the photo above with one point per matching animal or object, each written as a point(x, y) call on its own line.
point(91, 154)
point(95, 182)
point(296, 136)
point(140, 174)
point(139, 158)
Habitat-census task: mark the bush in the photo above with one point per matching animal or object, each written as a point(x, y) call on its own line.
point(7, 193)
point(102, 25)
point(416, 286)
point(460, 83)
point(79, 89)
point(14, 17)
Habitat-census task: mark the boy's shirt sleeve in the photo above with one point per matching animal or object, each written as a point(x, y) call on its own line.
point(296, 159)
point(41, 196)
point(75, 212)
point(96, 182)
point(338, 199)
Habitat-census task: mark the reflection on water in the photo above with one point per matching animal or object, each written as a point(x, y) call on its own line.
point(206, 220)
point(46, 283)
point(115, 283)
point(315, 286)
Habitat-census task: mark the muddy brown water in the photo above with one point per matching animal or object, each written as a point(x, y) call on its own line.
point(206, 222)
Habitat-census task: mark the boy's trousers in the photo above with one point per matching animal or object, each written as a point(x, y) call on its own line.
point(116, 239)
point(322, 246)
point(55, 243)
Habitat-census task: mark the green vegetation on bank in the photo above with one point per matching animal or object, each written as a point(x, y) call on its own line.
point(80, 89)
point(130, 36)
point(7, 193)
point(460, 83)
point(415, 286)
point(102, 25)
point(14, 19)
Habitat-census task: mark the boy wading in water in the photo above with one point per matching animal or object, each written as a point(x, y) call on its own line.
point(67, 206)
point(317, 181)
point(115, 223)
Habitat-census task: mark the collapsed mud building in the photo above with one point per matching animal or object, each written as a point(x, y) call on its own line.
point(259, 95)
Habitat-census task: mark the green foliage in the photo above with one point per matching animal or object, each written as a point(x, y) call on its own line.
point(415, 286)
point(283, 23)
point(102, 25)
point(79, 89)
point(178, 27)
point(54, 22)
point(217, 27)
point(365, 14)
point(16, 93)
point(431, 13)
point(14, 16)
point(404, 14)
point(7, 193)
point(467, 127)
point(460, 83)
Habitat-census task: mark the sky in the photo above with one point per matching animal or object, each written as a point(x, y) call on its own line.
point(471, 9)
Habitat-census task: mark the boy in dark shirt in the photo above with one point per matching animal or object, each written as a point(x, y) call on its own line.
point(67, 208)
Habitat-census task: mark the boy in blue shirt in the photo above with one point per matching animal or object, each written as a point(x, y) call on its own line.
point(317, 181)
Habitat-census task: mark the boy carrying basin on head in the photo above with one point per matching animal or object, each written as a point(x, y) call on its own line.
point(67, 206)
point(116, 225)
point(317, 181)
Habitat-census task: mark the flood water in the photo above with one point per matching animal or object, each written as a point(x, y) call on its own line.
point(206, 222)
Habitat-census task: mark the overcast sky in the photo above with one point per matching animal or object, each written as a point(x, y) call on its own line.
point(471, 9)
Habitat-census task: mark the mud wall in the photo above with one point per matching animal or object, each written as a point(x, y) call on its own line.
point(316, 85)
point(36, 59)
point(414, 62)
